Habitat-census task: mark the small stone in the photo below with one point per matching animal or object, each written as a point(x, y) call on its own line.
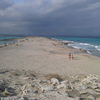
point(80, 86)
point(10, 98)
point(23, 98)
point(97, 90)
point(62, 92)
point(46, 88)
point(54, 81)
point(97, 97)
point(2, 85)
point(88, 98)
point(88, 91)
point(61, 86)
point(73, 93)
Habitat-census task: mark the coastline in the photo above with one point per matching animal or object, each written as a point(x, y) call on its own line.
point(92, 49)
point(38, 68)
point(48, 55)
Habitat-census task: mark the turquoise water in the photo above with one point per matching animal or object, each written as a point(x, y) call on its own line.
point(95, 41)
point(91, 45)
point(6, 39)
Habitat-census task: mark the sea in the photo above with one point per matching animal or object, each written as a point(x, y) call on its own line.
point(90, 44)
point(8, 39)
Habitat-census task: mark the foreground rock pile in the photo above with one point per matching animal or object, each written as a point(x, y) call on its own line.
point(28, 85)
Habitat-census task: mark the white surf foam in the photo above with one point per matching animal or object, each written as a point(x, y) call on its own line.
point(97, 47)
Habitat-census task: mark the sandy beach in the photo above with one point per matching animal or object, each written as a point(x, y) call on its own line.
point(37, 68)
point(47, 56)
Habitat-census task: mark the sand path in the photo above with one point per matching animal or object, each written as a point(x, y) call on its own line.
point(47, 56)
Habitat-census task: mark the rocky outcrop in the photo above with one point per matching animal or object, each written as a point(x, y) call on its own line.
point(27, 85)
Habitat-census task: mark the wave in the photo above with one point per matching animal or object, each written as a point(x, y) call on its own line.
point(90, 48)
point(97, 47)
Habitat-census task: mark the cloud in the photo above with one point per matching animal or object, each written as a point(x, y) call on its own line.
point(4, 4)
point(93, 6)
point(68, 17)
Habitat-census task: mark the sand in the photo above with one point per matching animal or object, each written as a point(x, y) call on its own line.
point(37, 68)
point(47, 56)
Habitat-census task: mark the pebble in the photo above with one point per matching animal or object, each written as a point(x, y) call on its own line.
point(73, 93)
point(62, 85)
point(46, 88)
point(54, 81)
point(88, 98)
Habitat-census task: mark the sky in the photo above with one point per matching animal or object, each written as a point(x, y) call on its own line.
point(50, 17)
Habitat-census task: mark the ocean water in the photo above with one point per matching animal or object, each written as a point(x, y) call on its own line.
point(7, 39)
point(91, 45)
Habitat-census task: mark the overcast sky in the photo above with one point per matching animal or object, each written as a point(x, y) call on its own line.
point(61, 17)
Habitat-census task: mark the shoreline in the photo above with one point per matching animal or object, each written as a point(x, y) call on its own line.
point(35, 48)
point(37, 68)
point(15, 41)
point(63, 42)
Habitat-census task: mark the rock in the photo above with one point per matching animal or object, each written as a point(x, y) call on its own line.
point(2, 85)
point(3, 71)
point(53, 95)
point(5, 90)
point(88, 91)
point(9, 98)
point(14, 98)
point(80, 86)
point(97, 90)
point(26, 85)
point(62, 92)
point(70, 85)
point(54, 81)
point(62, 85)
point(30, 75)
point(97, 97)
point(26, 89)
point(88, 98)
point(73, 93)
point(46, 88)
point(89, 79)
point(23, 98)
point(8, 92)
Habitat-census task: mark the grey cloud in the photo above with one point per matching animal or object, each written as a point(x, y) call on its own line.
point(5, 4)
point(93, 6)
point(67, 17)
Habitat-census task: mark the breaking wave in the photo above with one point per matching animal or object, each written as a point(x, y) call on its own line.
point(91, 49)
